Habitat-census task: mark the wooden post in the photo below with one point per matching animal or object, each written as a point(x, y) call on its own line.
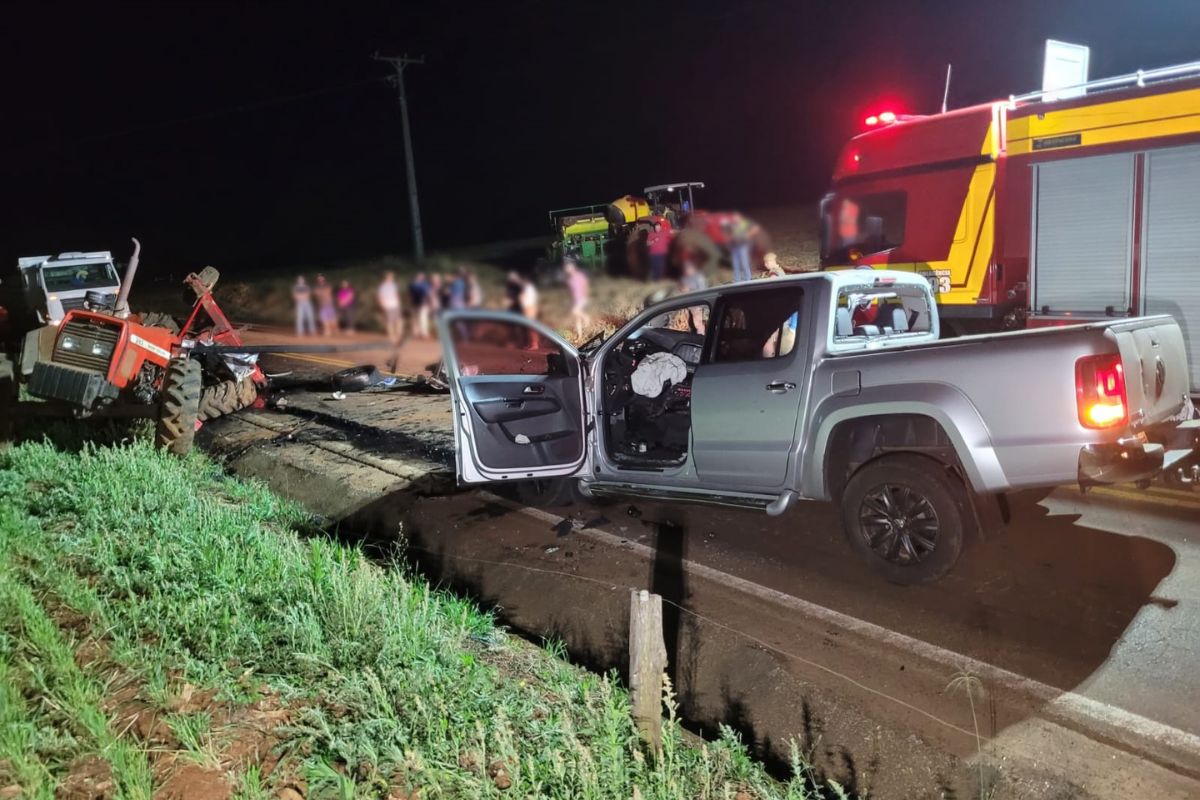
point(647, 662)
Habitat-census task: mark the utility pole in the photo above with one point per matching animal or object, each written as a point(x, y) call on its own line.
point(398, 64)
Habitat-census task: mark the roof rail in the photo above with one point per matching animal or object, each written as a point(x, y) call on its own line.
point(1139, 78)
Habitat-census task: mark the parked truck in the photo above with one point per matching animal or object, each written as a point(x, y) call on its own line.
point(54, 285)
point(1045, 208)
point(829, 386)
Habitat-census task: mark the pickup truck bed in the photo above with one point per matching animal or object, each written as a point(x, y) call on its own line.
point(1009, 400)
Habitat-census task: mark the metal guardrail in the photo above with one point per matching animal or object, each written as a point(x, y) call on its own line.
point(1139, 78)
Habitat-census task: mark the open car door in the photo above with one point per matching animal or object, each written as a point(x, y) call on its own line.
point(517, 390)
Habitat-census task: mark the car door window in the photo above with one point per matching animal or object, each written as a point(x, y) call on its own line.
point(757, 325)
point(499, 347)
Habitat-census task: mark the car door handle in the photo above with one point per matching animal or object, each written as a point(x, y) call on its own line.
point(534, 388)
point(779, 387)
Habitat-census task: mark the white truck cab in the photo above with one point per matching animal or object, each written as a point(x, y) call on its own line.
point(54, 285)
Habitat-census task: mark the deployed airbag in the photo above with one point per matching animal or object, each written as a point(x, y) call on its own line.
point(655, 369)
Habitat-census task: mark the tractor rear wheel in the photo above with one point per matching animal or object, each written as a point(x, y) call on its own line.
point(157, 319)
point(226, 397)
point(179, 406)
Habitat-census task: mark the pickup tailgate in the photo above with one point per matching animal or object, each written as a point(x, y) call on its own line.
point(1156, 368)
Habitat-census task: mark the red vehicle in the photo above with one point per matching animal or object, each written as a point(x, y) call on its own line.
point(105, 360)
point(700, 235)
point(1034, 210)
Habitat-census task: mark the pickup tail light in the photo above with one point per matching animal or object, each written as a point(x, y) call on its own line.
point(1100, 391)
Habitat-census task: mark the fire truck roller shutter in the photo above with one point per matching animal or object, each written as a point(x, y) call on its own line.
point(1083, 226)
point(1171, 244)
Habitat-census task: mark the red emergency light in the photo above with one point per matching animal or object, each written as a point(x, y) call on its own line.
point(882, 118)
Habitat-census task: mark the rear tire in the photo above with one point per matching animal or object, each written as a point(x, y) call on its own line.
point(226, 397)
point(179, 406)
point(906, 515)
point(157, 319)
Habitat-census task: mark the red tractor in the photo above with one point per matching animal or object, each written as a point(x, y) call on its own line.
point(105, 360)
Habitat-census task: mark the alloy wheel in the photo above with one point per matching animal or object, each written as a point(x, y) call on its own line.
point(899, 524)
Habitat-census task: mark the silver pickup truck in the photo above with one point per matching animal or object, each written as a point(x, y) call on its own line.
point(832, 386)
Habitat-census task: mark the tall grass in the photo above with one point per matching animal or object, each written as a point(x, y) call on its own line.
point(191, 575)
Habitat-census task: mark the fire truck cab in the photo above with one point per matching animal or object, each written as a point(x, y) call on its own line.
point(1036, 210)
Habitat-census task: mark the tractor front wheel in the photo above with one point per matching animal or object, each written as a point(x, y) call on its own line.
point(179, 406)
point(226, 397)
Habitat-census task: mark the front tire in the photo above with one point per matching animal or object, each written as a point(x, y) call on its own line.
point(179, 406)
point(906, 516)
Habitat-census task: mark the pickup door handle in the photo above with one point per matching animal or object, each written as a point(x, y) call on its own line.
point(779, 387)
point(534, 388)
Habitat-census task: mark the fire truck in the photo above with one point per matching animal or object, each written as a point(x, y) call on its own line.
point(1045, 208)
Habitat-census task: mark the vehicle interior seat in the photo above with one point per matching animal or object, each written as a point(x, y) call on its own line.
point(842, 324)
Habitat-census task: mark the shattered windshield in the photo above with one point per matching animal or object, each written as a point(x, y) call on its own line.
point(70, 277)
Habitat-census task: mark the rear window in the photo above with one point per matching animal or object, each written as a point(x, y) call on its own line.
point(872, 311)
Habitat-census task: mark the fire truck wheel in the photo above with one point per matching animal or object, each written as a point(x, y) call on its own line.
point(226, 397)
point(179, 408)
point(157, 319)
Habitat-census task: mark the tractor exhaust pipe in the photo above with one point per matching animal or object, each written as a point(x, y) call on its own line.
point(127, 281)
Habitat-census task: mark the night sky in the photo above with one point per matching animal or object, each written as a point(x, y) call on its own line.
point(264, 135)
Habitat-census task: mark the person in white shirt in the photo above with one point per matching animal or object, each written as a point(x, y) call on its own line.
point(388, 295)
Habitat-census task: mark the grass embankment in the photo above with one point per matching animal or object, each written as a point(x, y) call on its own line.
point(167, 630)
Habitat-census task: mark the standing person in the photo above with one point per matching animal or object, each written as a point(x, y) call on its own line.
point(435, 293)
point(446, 282)
point(345, 305)
point(529, 302)
point(474, 291)
point(580, 288)
point(691, 279)
point(771, 266)
point(306, 323)
point(741, 232)
point(418, 295)
point(787, 333)
point(458, 291)
point(513, 284)
point(326, 311)
point(388, 297)
point(658, 243)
